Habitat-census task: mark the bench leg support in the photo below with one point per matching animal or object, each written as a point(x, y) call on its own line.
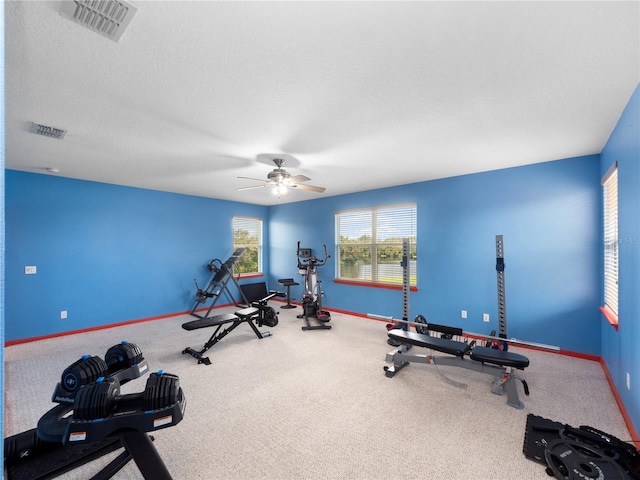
point(504, 381)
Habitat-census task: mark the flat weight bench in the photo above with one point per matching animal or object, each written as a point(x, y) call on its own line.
point(481, 359)
point(246, 315)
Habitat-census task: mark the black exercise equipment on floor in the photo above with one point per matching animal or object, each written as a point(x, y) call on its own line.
point(498, 363)
point(312, 299)
point(288, 282)
point(579, 453)
point(222, 275)
point(491, 358)
point(92, 419)
point(259, 312)
point(258, 297)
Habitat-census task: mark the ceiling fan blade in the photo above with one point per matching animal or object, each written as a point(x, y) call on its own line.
point(299, 178)
point(251, 187)
point(310, 188)
point(256, 179)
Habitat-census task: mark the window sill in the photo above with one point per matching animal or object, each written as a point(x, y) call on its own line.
point(251, 275)
point(611, 317)
point(372, 284)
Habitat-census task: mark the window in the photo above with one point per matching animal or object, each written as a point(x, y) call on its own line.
point(369, 244)
point(247, 232)
point(610, 208)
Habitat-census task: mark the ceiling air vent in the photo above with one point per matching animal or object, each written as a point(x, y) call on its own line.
point(109, 18)
point(47, 131)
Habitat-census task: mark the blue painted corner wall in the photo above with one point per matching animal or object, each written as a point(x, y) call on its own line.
point(106, 253)
point(549, 215)
point(620, 350)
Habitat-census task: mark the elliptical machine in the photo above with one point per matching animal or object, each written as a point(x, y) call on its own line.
point(312, 299)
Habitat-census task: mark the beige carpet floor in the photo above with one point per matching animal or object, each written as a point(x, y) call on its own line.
point(317, 405)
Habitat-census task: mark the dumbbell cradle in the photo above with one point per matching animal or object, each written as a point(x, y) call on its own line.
point(123, 361)
point(92, 418)
point(103, 398)
point(161, 405)
point(24, 445)
point(99, 410)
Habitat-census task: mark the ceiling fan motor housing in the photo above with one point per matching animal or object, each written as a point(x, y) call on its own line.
point(278, 175)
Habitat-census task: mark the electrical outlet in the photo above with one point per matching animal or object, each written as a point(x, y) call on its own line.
point(63, 314)
point(628, 381)
point(463, 314)
point(30, 270)
point(485, 317)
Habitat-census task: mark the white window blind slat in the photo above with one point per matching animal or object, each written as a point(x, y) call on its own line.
point(369, 243)
point(610, 237)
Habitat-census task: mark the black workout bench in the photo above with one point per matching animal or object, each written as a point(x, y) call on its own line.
point(246, 315)
point(481, 359)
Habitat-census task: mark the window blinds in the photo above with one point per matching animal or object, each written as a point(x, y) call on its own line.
point(610, 207)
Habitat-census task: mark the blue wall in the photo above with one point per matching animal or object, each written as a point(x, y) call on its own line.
point(106, 253)
point(620, 348)
point(549, 215)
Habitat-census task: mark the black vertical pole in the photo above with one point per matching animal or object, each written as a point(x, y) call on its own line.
point(502, 296)
point(406, 280)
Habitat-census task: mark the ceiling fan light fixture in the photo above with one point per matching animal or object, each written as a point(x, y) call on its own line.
point(283, 181)
point(281, 189)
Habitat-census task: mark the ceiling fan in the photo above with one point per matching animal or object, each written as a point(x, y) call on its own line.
point(282, 180)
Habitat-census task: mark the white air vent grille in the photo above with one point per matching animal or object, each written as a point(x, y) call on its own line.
point(47, 131)
point(107, 17)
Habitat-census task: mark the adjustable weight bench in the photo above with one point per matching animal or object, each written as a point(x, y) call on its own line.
point(500, 364)
point(246, 315)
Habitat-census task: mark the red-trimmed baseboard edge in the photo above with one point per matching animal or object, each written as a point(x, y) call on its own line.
point(623, 410)
point(9, 343)
point(568, 353)
point(595, 358)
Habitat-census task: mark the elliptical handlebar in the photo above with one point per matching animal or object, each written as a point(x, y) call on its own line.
point(311, 260)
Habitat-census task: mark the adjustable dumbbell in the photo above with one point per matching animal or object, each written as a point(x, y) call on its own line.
point(124, 360)
point(103, 398)
point(123, 355)
point(84, 371)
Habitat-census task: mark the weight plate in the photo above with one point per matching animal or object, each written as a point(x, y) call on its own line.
point(569, 460)
point(419, 328)
point(584, 438)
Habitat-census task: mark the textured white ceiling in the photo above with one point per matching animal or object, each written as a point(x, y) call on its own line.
point(361, 95)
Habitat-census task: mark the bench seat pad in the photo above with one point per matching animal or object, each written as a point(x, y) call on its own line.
point(452, 347)
point(247, 312)
point(499, 357)
point(210, 322)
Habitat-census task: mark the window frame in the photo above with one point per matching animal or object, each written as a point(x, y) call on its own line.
point(259, 225)
point(408, 220)
point(611, 262)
